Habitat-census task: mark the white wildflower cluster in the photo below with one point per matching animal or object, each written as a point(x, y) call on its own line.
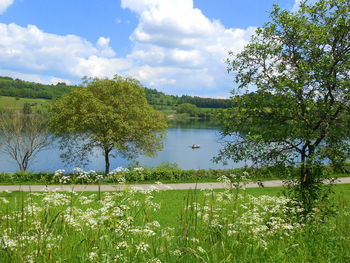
point(261, 217)
point(60, 177)
point(78, 175)
point(117, 174)
point(86, 176)
point(235, 180)
point(142, 247)
point(113, 213)
point(138, 169)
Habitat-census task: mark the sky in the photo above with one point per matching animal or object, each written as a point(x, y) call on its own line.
point(175, 46)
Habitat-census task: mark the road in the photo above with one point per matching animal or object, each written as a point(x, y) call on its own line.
point(177, 186)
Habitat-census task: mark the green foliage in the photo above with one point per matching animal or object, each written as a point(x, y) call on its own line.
point(188, 108)
point(112, 115)
point(166, 172)
point(168, 226)
point(155, 97)
point(27, 108)
point(19, 88)
point(299, 115)
point(25, 89)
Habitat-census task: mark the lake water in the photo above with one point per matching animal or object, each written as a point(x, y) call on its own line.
point(177, 149)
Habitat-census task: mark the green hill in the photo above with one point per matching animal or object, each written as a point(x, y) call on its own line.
point(25, 89)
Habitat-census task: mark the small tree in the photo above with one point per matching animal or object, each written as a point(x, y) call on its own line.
point(23, 136)
point(188, 108)
point(112, 115)
point(299, 114)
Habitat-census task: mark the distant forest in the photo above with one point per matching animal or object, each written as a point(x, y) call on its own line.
point(25, 89)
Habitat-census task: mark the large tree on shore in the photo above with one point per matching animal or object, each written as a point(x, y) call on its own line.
point(299, 64)
point(109, 114)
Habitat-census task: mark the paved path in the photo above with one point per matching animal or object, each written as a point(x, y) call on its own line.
point(179, 186)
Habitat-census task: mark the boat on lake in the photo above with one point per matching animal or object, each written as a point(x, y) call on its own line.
point(195, 146)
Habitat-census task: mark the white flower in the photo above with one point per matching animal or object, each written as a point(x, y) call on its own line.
point(142, 247)
point(201, 250)
point(118, 170)
point(154, 260)
point(93, 255)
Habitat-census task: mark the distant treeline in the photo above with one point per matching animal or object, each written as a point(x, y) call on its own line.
point(26, 89)
point(155, 97)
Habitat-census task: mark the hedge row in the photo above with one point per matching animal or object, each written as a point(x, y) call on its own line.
point(158, 174)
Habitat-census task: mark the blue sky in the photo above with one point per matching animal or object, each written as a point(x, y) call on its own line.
point(175, 46)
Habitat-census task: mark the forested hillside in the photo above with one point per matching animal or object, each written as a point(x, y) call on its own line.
point(155, 97)
point(25, 89)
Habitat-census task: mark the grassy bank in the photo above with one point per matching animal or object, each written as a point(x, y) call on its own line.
point(170, 226)
point(16, 104)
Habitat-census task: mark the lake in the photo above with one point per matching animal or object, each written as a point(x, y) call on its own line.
point(177, 149)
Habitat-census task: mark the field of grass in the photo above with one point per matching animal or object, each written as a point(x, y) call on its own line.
point(255, 225)
point(13, 103)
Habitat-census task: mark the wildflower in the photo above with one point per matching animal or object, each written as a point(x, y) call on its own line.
point(176, 252)
point(154, 260)
point(201, 250)
point(142, 247)
point(4, 200)
point(93, 255)
point(122, 244)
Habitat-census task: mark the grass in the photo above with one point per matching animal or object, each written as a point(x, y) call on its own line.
point(13, 103)
point(254, 225)
point(172, 202)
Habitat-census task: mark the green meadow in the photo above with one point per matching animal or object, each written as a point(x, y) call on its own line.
point(253, 225)
point(15, 103)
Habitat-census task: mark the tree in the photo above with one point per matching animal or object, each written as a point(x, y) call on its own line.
point(112, 115)
point(299, 114)
point(188, 108)
point(23, 136)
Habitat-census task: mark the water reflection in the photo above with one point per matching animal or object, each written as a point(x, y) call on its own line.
point(177, 148)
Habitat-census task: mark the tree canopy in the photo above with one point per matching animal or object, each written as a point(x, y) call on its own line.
point(299, 64)
point(110, 114)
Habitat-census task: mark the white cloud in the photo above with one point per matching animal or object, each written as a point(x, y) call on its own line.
point(99, 67)
point(176, 41)
point(56, 80)
point(33, 77)
point(4, 4)
point(103, 45)
point(296, 5)
point(30, 49)
point(176, 48)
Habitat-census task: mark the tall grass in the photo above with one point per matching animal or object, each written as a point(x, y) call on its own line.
point(128, 226)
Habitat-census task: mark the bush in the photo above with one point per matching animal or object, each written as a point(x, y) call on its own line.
point(164, 172)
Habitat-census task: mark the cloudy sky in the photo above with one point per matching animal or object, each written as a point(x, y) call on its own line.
point(175, 46)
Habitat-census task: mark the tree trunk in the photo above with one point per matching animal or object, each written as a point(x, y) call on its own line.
point(25, 162)
point(306, 167)
point(303, 167)
point(107, 164)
